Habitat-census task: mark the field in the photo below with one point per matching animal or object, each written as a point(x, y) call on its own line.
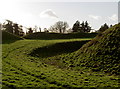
point(59, 44)
point(25, 67)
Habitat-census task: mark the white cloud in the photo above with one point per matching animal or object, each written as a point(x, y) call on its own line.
point(48, 13)
point(114, 17)
point(94, 17)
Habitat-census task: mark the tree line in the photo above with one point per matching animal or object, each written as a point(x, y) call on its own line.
point(58, 27)
point(84, 27)
point(61, 27)
point(17, 29)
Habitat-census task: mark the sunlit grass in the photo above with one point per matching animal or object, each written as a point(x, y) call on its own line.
point(23, 70)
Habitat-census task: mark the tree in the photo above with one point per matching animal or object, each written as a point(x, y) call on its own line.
point(35, 28)
point(30, 30)
point(87, 28)
point(59, 26)
point(21, 33)
point(45, 30)
point(76, 26)
point(40, 29)
point(52, 29)
point(110, 26)
point(83, 27)
point(16, 29)
point(0, 26)
point(8, 25)
point(103, 28)
point(13, 28)
point(65, 25)
point(69, 30)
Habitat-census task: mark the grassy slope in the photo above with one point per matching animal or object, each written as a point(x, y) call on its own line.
point(103, 52)
point(9, 38)
point(23, 70)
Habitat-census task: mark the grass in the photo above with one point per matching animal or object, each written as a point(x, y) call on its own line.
point(61, 63)
point(9, 37)
point(102, 53)
point(23, 70)
point(50, 36)
point(57, 48)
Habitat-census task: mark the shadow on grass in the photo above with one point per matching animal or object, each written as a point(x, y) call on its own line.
point(8, 38)
point(8, 41)
point(57, 49)
point(53, 36)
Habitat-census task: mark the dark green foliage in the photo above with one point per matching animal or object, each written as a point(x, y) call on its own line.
point(82, 28)
point(49, 36)
point(30, 30)
point(76, 26)
point(103, 28)
point(9, 37)
point(86, 28)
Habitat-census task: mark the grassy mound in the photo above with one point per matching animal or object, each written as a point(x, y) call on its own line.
point(45, 36)
point(9, 38)
point(102, 53)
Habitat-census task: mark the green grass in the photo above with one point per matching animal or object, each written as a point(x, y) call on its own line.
point(99, 54)
point(50, 36)
point(102, 53)
point(23, 70)
point(9, 37)
point(57, 48)
point(58, 62)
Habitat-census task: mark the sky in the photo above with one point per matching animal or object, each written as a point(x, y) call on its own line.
point(45, 13)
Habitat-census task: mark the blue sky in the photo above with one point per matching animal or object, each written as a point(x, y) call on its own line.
point(44, 14)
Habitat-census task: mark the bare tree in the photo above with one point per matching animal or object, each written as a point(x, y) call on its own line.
point(53, 29)
point(0, 26)
point(69, 30)
point(40, 29)
point(65, 25)
point(45, 30)
point(59, 26)
point(35, 28)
